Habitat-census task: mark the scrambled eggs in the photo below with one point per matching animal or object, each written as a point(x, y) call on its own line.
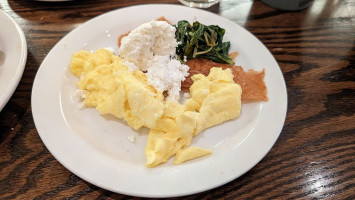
point(112, 88)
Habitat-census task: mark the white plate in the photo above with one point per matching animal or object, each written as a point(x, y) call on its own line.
point(97, 149)
point(14, 53)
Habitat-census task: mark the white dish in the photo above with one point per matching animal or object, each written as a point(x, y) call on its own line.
point(13, 50)
point(97, 149)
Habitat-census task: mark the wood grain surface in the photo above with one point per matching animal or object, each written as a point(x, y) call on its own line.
point(314, 157)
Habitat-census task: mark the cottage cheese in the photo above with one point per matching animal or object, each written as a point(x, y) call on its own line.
point(166, 74)
point(151, 48)
point(146, 41)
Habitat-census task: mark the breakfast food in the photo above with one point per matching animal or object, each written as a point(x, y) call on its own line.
point(141, 85)
point(151, 48)
point(197, 40)
point(113, 89)
point(251, 81)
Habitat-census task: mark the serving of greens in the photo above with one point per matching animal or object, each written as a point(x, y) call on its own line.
point(201, 41)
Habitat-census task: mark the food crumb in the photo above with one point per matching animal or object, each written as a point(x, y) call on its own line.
point(132, 139)
point(81, 94)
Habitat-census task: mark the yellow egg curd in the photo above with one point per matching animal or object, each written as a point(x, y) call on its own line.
point(112, 88)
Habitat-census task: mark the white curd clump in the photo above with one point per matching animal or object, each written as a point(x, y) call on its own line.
point(151, 48)
point(146, 41)
point(166, 74)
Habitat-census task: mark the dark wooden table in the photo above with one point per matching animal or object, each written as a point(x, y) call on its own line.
point(314, 157)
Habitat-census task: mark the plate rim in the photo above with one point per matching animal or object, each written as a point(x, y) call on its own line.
point(21, 65)
point(36, 120)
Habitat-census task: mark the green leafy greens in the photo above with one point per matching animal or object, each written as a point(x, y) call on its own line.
point(201, 41)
